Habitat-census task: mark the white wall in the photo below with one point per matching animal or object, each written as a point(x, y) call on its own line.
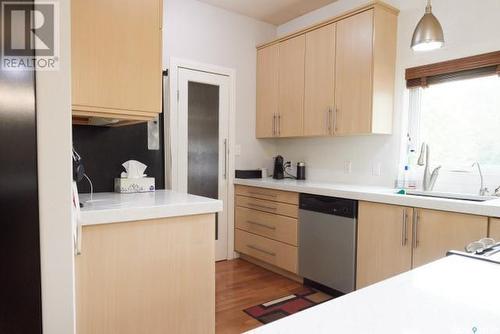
point(470, 28)
point(53, 101)
point(199, 32)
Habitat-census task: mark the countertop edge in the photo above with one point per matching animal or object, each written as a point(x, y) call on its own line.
point(381, 195)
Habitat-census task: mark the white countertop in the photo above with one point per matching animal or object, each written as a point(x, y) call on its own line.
point(377, 194)
point(112, 207)
point(451, 295)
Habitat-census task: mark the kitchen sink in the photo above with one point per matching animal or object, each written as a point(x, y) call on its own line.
point(457, 196)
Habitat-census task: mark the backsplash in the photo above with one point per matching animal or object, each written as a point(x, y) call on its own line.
point(104, 149)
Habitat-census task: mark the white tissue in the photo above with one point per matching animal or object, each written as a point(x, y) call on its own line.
point(134, 169)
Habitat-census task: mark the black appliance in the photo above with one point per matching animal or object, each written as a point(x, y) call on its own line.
point(301, 171)
point(20, 278)
point(248, 174)
point(279, 168)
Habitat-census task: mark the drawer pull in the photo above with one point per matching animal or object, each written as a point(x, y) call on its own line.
point(261, 250)
point(261, 194)
point(262, 225)
point(259, 206)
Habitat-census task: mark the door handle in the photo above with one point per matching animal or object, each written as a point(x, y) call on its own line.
point(261, 225)
point(335, 112)
point(329, 120)
point(274, 124)
point(404, 237)
point(78, 242)
point(279, 124)
point(262, 206)
point(225, 158)
point(416, 218)
point(261, 250)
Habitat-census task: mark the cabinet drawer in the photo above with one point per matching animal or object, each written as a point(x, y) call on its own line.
point(269, 194)
point(273, 252)
point(268, 225)
point(268, 206)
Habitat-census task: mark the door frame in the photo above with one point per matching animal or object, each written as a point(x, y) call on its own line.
point(171, 131)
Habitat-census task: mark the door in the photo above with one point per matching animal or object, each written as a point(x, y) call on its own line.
point(494, 229)
point(291, 87)
point(319, 81)
point(353, 70)
point(436, 232)
point(384, 242)
point(203, 121)
point(20, 278)
point(267, 91)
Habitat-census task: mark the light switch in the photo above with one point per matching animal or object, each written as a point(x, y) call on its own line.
point(154, 134)
point(237, 150)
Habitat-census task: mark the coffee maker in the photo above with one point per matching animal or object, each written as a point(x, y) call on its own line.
point(279, 168)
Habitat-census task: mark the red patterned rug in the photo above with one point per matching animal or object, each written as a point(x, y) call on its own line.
point(285, 306)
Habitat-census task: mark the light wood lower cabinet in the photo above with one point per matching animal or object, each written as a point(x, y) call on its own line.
point(266, 227)
point(494, 229)
point(393, 239)
point(384, 242)
point(270, 251)
point(155, 276)
point(276, 227)
point(436, 232)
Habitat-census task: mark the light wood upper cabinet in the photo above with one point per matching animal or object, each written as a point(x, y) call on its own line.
point(336, 78)
point(267, 91)
point(291, 87)
point(319, 81)
point(365, 72)
point(384, 242)
point(436, 232)
point(116, 59)
point(494, 229)
point(354, 74)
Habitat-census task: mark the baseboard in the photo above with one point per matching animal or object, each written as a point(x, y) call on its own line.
point(272, 268)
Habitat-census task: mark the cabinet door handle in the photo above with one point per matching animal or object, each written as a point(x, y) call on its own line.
point(404, 237)
point(261, 250)
point(279, 125)
point(261, 194)
point(261, 225)
point(78, 242)
point(329, 120)
point(416, 218)
point(274, 124)
point(335, 112)
point(262, 206)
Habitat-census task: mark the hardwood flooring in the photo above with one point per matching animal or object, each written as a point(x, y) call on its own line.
point(239, 285)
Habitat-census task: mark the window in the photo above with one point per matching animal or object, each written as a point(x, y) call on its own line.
point(459, 119)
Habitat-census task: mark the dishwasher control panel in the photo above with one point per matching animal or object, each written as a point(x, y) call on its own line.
point(330, 205)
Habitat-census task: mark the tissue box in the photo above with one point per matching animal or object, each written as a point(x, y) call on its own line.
point(127, 186)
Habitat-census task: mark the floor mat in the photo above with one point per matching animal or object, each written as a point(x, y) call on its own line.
point(287, 305)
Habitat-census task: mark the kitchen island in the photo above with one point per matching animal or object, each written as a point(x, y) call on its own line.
point(452, 295)
point(146, 263)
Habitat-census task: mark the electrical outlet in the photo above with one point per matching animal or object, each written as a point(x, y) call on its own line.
point(347, 167)
point(377, 169)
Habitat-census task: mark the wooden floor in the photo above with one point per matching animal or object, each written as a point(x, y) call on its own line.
point(239, 285)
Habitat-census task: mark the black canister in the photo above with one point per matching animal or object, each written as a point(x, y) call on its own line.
point(301, 171)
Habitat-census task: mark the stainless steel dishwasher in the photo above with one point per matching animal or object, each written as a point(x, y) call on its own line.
point(327, 241)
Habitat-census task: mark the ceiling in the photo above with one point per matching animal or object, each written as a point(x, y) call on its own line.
point(272, 11)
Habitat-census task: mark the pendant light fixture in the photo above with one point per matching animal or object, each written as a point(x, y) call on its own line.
point(428, 34)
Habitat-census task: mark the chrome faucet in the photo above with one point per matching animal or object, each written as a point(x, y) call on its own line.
point(483, 191)
point(429, 178)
